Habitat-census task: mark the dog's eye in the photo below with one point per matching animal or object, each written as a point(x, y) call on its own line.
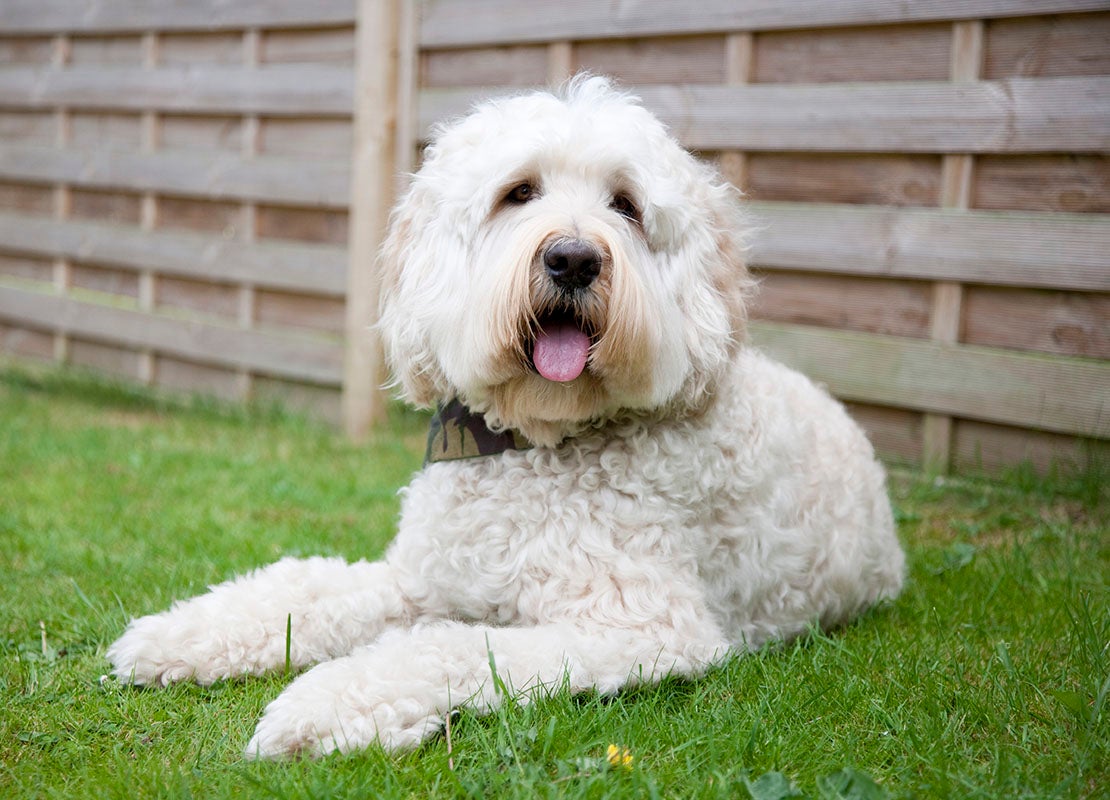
point(624, 206)
point(521, 194)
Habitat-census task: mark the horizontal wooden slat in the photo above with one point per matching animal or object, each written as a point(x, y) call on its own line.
point(1054, 251)
point(302, 358)
point(209, 175)
point(1019, 115)
point(109, 16)
point(918, 52)
point(283, 89)
point(321, 269)
point(981, 446)
point(1057, 251)
point(1065, 395)
point(465, 23)
point(1049, 182)
point(858, 178)
point(1062, 323)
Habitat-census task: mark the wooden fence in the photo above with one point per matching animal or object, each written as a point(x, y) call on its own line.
point(174, 191)
point(933, 179)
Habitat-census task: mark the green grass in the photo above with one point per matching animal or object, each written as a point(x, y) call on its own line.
point(989, 677)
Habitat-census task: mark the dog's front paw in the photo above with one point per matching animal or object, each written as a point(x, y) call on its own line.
point(179, 645)
point(151, 652)
point(336, 707)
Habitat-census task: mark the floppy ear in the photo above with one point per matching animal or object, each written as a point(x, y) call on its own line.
point(715, 303)
point(404, 268)
point(729, 272)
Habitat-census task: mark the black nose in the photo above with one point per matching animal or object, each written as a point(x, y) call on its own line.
point(572, 264)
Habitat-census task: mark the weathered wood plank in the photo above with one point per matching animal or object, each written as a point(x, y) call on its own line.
point(1064, 323)
point(1020, 115)
point(179, 375)
point(870, 53)
point(894, 432)
point(1050, 182)
point(201, 298)
point(25, 343)
point(183, 132)
point(121, 283)
point(373, 183)
point(1055, 251)
point(320, 269)
point(315, 182)
point(107, 359)
point(220, 218)
point(93, 204)
point(309, 225)
point(318, 402)
point(1030, 47)
point(312, 46)
point(289, 311)
point(857, 178)
point(104, 16)
point(979, 446)
point(873, 305)
point(493, 66)
point(463, 23)
point(1057, 114)
point(1030, 390)
point(305, 138)
point(281, 89)
point(640, 62)
point(1058, 251)
point(121, 51)
point(27, 199)
point(311, 359)
point(457, 23)
point(220, 47)
point(27, 268)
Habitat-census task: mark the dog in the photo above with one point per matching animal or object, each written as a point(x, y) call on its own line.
point(618, 487)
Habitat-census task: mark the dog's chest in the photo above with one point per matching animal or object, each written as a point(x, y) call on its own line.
point(531, 537)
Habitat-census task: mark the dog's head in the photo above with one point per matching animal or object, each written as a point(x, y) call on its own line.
point(560, 259)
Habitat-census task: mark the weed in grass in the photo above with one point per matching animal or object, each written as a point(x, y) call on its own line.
point(988, 678)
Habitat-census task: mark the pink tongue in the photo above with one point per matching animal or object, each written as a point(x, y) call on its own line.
point(561, 351)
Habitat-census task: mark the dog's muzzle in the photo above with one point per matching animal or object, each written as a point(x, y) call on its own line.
point(561, 347)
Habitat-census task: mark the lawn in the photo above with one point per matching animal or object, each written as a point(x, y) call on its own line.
point(989, 677)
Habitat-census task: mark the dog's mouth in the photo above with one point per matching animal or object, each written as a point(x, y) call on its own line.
point(559, 346)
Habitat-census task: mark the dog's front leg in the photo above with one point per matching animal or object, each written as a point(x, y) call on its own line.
point(397, 691)
point(311, 609)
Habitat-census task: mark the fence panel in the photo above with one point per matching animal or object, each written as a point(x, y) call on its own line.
point(933, 180)
point(174, 184)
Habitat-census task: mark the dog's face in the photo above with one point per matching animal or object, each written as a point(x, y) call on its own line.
point(561, 259)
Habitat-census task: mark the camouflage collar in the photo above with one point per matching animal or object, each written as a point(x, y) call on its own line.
point(457, 433)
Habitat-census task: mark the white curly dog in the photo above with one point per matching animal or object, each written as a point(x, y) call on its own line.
point(663, 495)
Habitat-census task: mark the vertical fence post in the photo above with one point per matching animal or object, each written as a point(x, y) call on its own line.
point(965, 66)
point(372, 188)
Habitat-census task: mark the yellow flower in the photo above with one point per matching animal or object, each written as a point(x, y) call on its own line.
point(619, 756)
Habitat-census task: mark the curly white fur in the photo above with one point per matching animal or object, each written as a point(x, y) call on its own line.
point(688, 497)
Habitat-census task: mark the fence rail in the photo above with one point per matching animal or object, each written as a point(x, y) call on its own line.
point(1022, 389)
point(1019, 116)
point(466, 23)
point(284, 89)
point(206, 342)
point(1052, 251)
point(123, 16)
point(320, 269)
point(218, 176)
